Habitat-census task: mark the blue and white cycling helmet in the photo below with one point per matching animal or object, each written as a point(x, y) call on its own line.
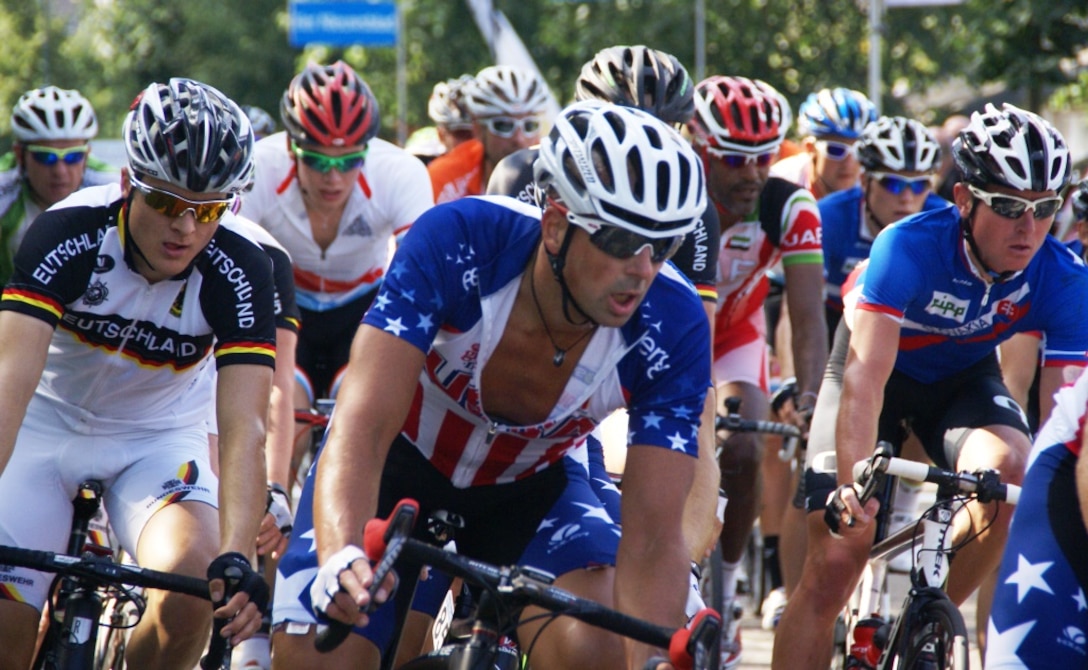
point(839, 112)
point(621, 166)
point(1012, 147)
point(190, 135)
point(899, 144)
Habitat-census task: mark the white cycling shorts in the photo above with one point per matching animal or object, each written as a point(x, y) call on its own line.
point(141, 470)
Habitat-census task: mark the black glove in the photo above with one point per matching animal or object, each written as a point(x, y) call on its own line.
point(238, 575)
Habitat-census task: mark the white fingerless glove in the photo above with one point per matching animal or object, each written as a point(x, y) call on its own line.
point(327, 583)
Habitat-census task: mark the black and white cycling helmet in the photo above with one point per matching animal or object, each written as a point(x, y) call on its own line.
point(262, 122)
point(621, 166)
point(899, 144)
point(190, 135)
point(638, 76)
point(501, 90)
point(840, 112)
point(446, 105)
point(1080, 201)
point(52, 113)
point(1012, 147)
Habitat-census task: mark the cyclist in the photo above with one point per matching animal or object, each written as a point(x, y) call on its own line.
point(334, 195)
point(830, 122)
point(478, 292)
point(1079, 205)
point(448, 111)
point(122, 295)
point(737, 129)
point(50, 159)
point(916, 349)
point(506, 104)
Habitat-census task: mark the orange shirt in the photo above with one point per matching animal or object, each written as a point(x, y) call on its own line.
point(458, 172)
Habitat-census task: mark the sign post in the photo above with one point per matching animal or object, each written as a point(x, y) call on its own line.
point(876, 31)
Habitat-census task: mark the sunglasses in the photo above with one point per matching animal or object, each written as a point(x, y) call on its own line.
point(324, 163)
point(172, 205)
point(736, 159)
point(895, 184)
point(1012, 207)
point(505, 126)
point(621, 243)
point(837, 151)
point(50, 156)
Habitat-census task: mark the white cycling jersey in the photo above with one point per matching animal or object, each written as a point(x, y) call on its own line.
point(394, 189)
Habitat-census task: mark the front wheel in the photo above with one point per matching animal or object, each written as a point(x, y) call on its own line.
point(935, 639)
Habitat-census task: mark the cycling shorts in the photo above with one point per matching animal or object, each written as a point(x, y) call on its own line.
point(324, 342)
point(142, 471)
point(560, 525)
point(940, 414)
point(743, 353)
point(1039, 617)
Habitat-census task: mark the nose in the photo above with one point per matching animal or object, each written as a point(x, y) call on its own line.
point(641, 263)
point(185, 222)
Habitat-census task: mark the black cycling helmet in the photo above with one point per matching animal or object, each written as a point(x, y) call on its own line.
point(638, 76)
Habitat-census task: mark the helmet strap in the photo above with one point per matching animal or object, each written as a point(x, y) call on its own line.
point(129, 241)
point(965, 225)
point(880, 225)
point(558, 262)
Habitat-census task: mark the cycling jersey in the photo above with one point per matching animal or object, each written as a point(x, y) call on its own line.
point(785, 226)
point(393, 191)
point(1039, 616)
point(919, 273)
point(797, 168)
point(458, 172)
point(286, 308)
point(847, 238)
point(20, 210)
point(697, 257)
point(124, 349)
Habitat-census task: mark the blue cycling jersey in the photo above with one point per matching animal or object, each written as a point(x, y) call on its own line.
point(919, 273)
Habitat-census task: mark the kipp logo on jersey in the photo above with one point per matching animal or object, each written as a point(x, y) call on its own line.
point(948, 306)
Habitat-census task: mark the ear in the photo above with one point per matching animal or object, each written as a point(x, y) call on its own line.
point(962, 198)
point(126, 185)
point(553, 226)
point(809, 145)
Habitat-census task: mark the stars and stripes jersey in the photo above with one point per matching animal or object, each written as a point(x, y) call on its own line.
point(449, 292)
point(1066, 422)
point(919, 274)
point(392, 190)
point(697, 257)
point(846, 237)
point(124, 349)
point(785, 226)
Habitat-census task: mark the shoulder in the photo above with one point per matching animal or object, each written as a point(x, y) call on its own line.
point(457, 160)
point(250, 230)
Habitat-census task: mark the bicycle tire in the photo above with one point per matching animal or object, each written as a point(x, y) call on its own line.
point(935, 639)
point(710, 586)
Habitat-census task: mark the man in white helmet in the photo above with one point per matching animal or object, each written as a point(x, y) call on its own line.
point(50, 159)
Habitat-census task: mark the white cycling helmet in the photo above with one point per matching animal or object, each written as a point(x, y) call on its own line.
point(1012, 147)
point(446, 105)
point(1080, 201)
point(53, 113)
point(190, 135)
point(502, 90)
point(621, 166)
point(841, 112)
point(899, 144)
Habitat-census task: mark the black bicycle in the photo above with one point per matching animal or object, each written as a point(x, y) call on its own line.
point(504, 592)
point(83, 585)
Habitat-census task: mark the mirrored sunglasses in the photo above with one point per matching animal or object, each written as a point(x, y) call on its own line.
point(324, 163)
point(895, 184)
point(173, 205)
point(621, 243)
point(1012, 207)
point(50, 156)
point(506, 126)
point(837, 151)
point(735, 159)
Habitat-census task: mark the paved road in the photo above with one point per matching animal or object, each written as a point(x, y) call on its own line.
point(758, 642)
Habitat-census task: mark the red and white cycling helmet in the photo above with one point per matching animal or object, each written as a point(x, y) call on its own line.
point(190, 135)
point(736, 114)
point(501, 90)
point(1012, 147)
point(52, 113)
point(330, 106)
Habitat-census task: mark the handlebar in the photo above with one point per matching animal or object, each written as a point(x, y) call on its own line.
point(387, 540)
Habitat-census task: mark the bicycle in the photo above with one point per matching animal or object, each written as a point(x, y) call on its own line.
point(84, 582)
point(930, 631)
point(505, 591)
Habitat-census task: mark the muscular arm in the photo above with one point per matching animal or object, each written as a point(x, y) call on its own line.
point(1050, 380)
point(22, 360)
point(281, 415)
point(1019, 360)
point(652, 561)
point(805, 301)
point(242, 395)
point(700, 523)
point(1081, 475)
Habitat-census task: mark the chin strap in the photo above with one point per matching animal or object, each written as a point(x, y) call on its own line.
point(128, 241)
point(965, 226)
point(557, 263)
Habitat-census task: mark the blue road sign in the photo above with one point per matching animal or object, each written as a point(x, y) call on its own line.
point(342, 23)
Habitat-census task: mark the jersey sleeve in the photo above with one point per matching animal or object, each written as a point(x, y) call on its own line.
point(513, 176)
point(697, 257)
point(889, 281)
point(1065, 335)
point(801, 234)
point(288, 315)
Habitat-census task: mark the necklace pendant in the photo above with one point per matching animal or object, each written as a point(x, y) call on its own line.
point(557, 359)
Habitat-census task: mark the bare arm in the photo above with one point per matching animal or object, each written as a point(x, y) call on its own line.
point(1019, 360)
point(1050, 380)
point(1081, 475)
point(652, 561)
point(242, 395)
point(700, 522)
point(805, 301)
point(22, 360)
point(281, 415)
